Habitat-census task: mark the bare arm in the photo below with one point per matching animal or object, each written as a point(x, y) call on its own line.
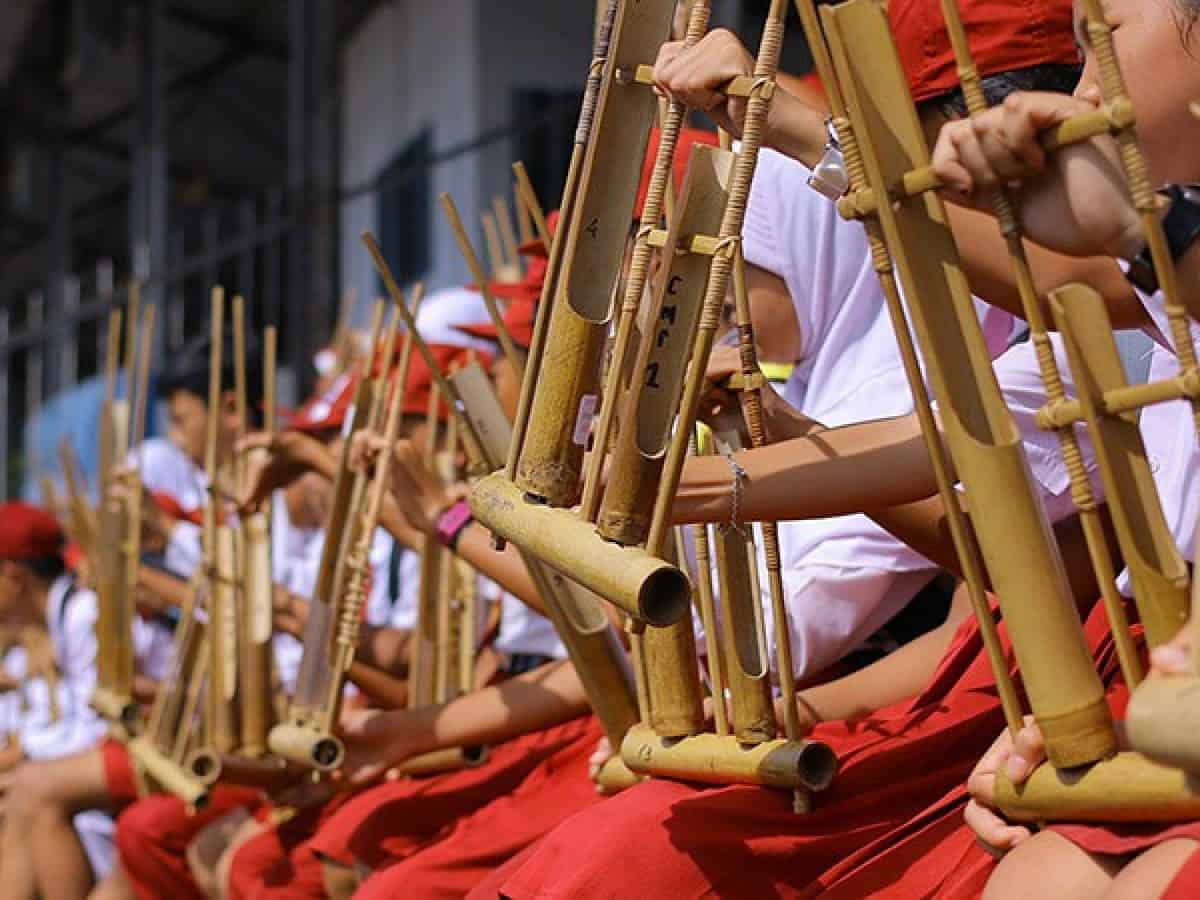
point(547, 696)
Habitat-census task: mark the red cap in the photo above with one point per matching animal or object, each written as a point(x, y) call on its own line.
point(27, 532)
point(537, 247)
point(327, 411)
point(420, 379)
point(173, 508)
point(518, 321)
point(1004, 36)
point(688, 138)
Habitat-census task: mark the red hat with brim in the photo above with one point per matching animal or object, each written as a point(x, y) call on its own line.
point(419, 383)
point(28, 533)
point(327, 411)
point(688, 138)
point(518, 321)
point(1004, 37)
point(537, 247)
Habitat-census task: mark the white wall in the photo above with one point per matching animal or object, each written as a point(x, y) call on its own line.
point(453, 65)
point(411, 65)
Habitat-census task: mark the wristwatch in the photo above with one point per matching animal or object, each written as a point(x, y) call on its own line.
point(830, 178)
point(1181, 225)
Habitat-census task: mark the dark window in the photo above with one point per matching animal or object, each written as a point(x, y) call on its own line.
point(545, 146)
point(404, 210)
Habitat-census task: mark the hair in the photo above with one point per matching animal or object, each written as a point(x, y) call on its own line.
point(187, 371)
point(1187, 14)
point(1059, 78)
point(47, 568)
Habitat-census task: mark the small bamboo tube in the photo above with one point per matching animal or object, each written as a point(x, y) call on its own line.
point(711, 759)
point(639, 270)
point(446, 651)
point(1062, 683)
point(557, 247)
point(965, 544)
point(423, 668)
point(508, 237)
point(449, 760)
point(708, 617)
point(481, 279)
point(1081, 487)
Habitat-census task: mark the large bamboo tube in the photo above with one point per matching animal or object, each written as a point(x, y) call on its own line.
point(1027, 573)
point(1081, 486)
point(269, 774)
point(565, 395)
point(450, 760)
point(712, 759)
point(222, 610)
point(965, 544)
point(652, 401)
point(1125, 788)
point(1156, 567)
point(639, 271)
point(168, 773)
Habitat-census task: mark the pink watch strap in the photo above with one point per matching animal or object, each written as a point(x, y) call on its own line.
point(451, 523)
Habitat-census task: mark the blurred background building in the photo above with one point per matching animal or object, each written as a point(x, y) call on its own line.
point(248, 143)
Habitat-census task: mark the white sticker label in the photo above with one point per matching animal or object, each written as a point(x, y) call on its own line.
point(583, 422)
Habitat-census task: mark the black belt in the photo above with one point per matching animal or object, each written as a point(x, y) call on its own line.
point(520, 663)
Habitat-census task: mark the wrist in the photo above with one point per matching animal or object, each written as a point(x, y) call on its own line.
point(451, 523)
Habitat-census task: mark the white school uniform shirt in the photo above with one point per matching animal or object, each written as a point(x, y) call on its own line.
point(845, 577)
point(1169, 434)
point(168, 470)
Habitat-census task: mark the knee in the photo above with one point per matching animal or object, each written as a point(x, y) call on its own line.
point(1046, 866)
point(29, 793)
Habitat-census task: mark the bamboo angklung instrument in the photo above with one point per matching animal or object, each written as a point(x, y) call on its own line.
point(331, 634)
point(591, 642)
point(119, 552)
point(885, 146)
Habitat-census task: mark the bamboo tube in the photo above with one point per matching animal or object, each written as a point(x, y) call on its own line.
point(565, 396)
point(728, 236)
point(965, 544)
point(497, 266)
point(557, 247)
point(1156, 568)
point(439, 761)
point(307, 745)
point(269, 774)
point(533, 208)
point(1124, 788)
point(1027, 572)
point(168, 773)
point(639, 269)
point(652, 400)
point(446, 654)
point(711, 759)
point(481, 279)
point(1081, 487)
point(222, 610)
point(508, 237)
point(642, 585)
point(422, 670)
point(708, 618)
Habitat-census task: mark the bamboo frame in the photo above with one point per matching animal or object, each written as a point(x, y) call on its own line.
point(1028, 576)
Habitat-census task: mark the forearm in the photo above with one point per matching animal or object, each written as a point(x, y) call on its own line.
point(384, 649)
point(863, 467)
point(384, 690)
point(796, 129)
point(531, 702)
point(897, 677)
point(506, 567)
point(986, 259)
point(162, 586)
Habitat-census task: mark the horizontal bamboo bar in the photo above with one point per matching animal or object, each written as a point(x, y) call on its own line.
point(306, 746)
point(741, 86)
point(168, 773)
point(1108, 119)
point(1122, 400)
point(269, 773)
point(645, 587)
point(449, 760)
point(713, 759)
point(614, 776)
point(1124, 788)
point(117, 710)
point(1163, 720)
